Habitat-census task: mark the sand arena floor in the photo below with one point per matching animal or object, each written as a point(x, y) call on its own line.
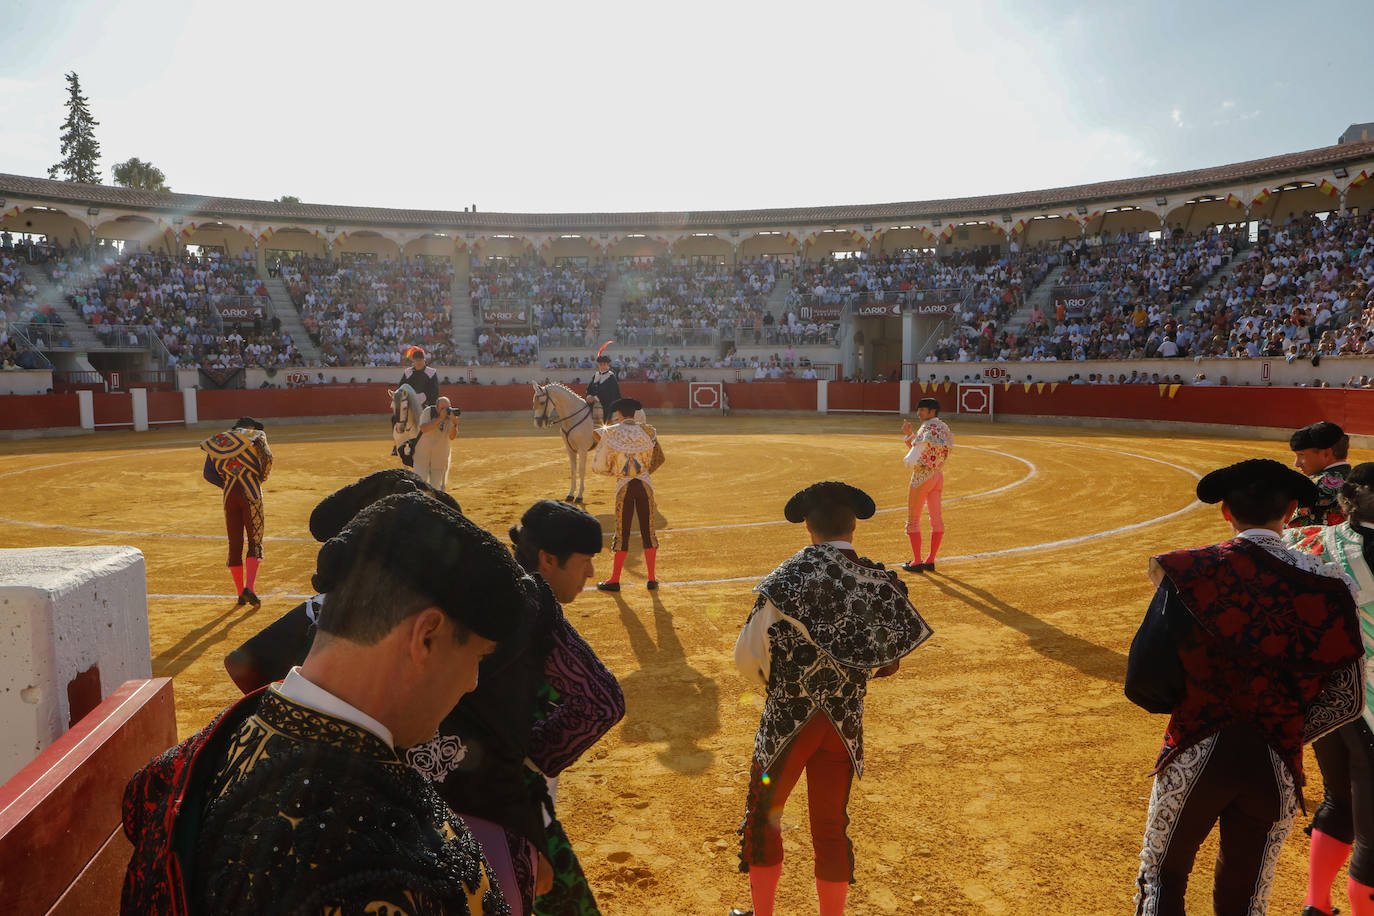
point(1006, 771)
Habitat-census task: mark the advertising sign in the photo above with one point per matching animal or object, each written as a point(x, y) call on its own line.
point(820, 312)
point(878, 310)
point(504, 314)
point(1076, 301)
point(242, 314)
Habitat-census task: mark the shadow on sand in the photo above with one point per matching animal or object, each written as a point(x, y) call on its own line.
point(1045, 638)
point(667, 700)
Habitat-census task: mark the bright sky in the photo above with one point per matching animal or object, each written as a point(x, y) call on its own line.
point(607, 106)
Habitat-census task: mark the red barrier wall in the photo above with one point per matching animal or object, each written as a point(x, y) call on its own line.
point(166, 406)
point(39, 411)
point(113, 409)
point(868, 396)
point(774, 395)
point(1287, 408)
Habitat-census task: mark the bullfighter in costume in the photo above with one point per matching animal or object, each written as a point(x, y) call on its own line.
point(825, 621)
point(423, 379)
point(1253, 649)
point(927, 451)
point(1320, 451)
point(295, 799)
point(604, 386)
point(269, 655)
point(629, 452)
point(239, 461)
point(1343, 826)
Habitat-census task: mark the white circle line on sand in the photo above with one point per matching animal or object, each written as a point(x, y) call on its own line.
point(290, 540)
point(1028, 548)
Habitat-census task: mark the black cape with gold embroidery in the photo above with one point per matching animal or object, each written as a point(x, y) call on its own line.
point(277, 808)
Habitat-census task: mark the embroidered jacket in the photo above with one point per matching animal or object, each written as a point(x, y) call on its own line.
point(1325, 511)
point(239, 458)
point(1353, 548)
point(477, 760)
point(930, 449)
point(276, 807)
point(821, 624)
point(1247, 633)
point(605, 387)
point(629, 450)
point(425, 384)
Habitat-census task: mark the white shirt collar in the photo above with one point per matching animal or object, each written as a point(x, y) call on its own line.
point(840, 545)
point(1257, 534)
point(299, 690)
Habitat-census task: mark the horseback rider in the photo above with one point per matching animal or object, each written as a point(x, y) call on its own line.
point(422, 378)
point(604, 386)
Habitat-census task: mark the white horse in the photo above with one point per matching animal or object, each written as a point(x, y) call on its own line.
point(555, 403)
point(405, 419)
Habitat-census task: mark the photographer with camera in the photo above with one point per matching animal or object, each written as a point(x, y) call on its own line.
point(438, 429)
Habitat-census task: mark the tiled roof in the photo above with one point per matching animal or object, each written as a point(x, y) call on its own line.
point(236, 209)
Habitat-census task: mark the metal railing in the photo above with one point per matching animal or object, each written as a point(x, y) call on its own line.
point(45, 335)
point(567, 338)
point(28, 353)
point(670, 337)
point(824, 335)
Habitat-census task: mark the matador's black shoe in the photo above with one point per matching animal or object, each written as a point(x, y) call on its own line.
point(247, 597)
point(608, 586)
point(913, 566)
point(651, 584)
point(741, 913)
point(1313, 911)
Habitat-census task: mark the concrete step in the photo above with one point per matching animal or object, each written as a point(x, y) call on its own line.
point(285, 310)
point(777, 299)
point(461, 320)
point(610, 304)
point(1041, 296)
point(49, 293)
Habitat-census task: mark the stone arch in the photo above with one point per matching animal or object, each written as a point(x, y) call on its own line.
point(60, 227)
point(1125, 218)
point(309, 242)
point(638, 245)
point(367, 242)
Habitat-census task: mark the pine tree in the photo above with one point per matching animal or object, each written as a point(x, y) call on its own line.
point(80, 149)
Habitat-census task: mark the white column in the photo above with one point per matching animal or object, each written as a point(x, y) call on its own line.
point(140, 399)
point(189, 407)
point(822, 395)
point(908, 336)
point(904, 398)
point(85, 401)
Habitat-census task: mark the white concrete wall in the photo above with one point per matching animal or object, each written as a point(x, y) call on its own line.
point(25, 381)
point(62, 610)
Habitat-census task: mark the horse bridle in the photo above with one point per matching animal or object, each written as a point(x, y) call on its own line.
point(577, 419)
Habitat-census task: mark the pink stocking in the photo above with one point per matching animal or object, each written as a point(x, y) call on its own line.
point(763, 887)
point(237, 573)
point(935, 538)
point(252, 564)
point(617, 564)
point(1361, 896)
point(831, 895)
point(650, 556)
point(1324, 859)
point(915, 538)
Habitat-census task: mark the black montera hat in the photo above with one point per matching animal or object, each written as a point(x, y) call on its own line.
point(559, 529)
point(1256, 475)
point(928, 402)
point(830, 492)
point(1322, 434)
point(626, 407)
point(603, 358)
point(465, 571)
point(338, 508)
point(248, 423)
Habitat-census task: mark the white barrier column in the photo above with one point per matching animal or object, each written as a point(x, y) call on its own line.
point(85, 402)
point(73, 628)
point(140, 404)
point(822, 396)
point(904, 397)
point(189, 406)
